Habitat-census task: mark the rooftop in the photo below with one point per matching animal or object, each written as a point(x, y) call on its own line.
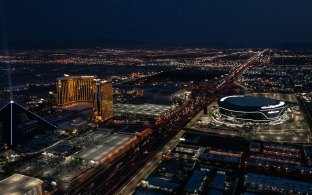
point(142, 109)
point(241, 101)
point(76, 77)
point(285, 184)
point(218, 181)
point(147, 192)
point(18, 184)
point(102, 146)
point(195, 182)
point(162, 183)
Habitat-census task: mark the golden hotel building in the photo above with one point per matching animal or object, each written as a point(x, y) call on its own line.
point(86, 89)
point(74, 89)
point(103, 102)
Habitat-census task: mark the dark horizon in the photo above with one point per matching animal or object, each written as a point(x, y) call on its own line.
point(146, 23)
point(127, 44)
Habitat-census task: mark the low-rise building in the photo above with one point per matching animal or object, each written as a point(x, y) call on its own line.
point(18, 184)
point(261, 183)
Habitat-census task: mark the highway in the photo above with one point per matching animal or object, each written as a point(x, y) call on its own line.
point(187, 111)
point(124, 174)
point(130, 186)
point(114, 177)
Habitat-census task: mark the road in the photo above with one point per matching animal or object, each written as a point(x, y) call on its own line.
point(124, 174)
point(185, 114)
point(114, 177)
point(130, 186)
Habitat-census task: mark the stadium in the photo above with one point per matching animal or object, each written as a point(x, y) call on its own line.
point(251, 108)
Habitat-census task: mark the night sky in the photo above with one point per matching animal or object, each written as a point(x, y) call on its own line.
point(202, 23)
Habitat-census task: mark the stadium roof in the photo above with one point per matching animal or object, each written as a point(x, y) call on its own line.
point(249, 103)
point(18, 184)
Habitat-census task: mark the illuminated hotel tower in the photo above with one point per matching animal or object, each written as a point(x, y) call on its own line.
point(75, 89)
point(103, 100)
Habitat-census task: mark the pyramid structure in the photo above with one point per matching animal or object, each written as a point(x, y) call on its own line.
point(18, 125)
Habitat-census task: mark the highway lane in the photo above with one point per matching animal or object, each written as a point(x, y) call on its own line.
point(130, 186)
point(102, 170)
point(115, 172)
point(123, 175)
